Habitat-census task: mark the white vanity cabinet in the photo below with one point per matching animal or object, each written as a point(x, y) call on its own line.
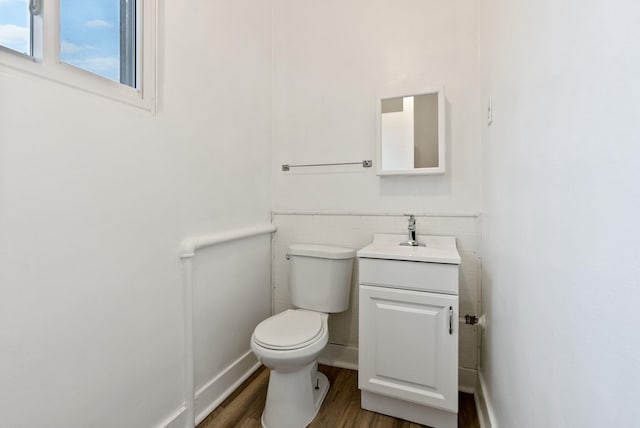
point(408, 349)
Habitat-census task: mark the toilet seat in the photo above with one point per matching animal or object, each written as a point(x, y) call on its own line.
point(289, 330)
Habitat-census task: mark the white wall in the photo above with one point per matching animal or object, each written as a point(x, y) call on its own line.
point(95, 197)
point(331, 60)
point(229, 301)
point(561, 210)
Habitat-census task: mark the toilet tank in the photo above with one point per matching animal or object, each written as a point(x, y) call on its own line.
point(320, 277)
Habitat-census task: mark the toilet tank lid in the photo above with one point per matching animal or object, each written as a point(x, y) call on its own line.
point(321, 251)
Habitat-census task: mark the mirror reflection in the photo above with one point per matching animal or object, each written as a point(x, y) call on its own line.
point(409, 132)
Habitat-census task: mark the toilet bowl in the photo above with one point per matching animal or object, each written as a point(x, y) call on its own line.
point(296, 388)
point(283, 350)
point(290, 342)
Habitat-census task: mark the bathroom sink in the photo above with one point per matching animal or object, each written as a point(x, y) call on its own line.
point(437, 249)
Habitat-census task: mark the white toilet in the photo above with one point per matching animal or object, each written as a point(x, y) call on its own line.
point(290, 342)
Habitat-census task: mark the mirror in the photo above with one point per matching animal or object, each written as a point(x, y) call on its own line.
point(411, 134)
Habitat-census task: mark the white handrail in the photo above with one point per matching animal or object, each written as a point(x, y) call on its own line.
point(190, 244)
point(188, 248)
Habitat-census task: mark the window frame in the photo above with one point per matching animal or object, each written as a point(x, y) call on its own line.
point(45, 59)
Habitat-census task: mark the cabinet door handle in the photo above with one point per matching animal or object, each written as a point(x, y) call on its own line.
point(450, 319)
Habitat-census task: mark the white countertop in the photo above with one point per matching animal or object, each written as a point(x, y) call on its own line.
point(437, 249)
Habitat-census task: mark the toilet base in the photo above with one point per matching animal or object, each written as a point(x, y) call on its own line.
point(294, 399)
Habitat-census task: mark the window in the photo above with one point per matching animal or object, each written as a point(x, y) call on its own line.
point(16, 25)
point(99, 36)
point(96, 45)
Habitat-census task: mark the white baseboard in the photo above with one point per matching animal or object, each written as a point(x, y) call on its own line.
point(486, 414)
point(175, 419)
point(213, 393)
point(345, 357)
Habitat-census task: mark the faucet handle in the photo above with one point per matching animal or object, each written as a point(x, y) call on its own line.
point(412, 220)
point(413, 241)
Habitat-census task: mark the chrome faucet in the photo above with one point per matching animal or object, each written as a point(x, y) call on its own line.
point(412, 242)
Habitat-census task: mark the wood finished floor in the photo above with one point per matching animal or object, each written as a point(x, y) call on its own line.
point(341, 407)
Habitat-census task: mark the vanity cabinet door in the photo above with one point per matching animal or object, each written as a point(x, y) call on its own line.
point(409, 346)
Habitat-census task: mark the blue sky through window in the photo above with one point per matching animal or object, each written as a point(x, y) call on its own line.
point(90, 36)
point(89, 33)
point(15, 25)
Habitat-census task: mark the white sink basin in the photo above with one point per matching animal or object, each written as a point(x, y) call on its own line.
point(437, 249)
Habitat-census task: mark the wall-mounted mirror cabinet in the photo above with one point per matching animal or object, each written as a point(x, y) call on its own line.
point(411, 134)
